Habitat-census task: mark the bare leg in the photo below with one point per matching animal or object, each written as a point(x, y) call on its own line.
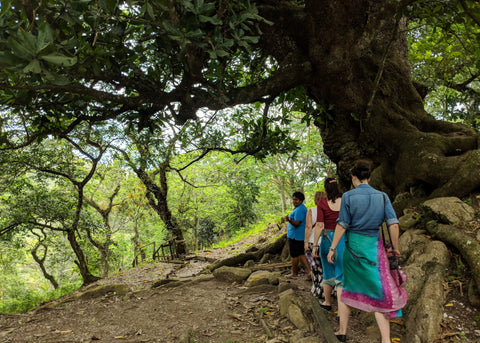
point(343, 312)
point(384, 326)
point(327, 289)
point(295, 261)
point(305, 263)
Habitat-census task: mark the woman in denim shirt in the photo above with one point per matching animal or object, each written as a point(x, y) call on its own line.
point(367, 282)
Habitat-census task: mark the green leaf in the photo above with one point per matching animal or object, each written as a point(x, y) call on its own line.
point(44, 38)
point(34, 67)
point(59, 80)
point(150, 11)
point(211, 20)
point(251, 39)
point(21, 49)
point(221, 53)
point(228, 43)
point(59, 59)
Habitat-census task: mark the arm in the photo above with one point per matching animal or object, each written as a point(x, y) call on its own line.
point(308, 228)
point(316, 237)
point(392, 225)
point(394, 233)
point(339, 231)
point(295, 223)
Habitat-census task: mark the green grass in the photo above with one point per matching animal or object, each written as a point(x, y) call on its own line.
point(255, 230)
point(24, 300)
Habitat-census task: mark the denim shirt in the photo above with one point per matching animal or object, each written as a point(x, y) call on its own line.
point(364, 209)
point(298, 213)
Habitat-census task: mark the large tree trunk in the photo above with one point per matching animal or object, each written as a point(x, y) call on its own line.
point(359, 65)
point(103, 248)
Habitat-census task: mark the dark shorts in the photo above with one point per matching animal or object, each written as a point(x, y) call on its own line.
point(297, 248)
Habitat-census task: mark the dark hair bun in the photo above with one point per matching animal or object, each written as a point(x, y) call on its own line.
point(362, 169)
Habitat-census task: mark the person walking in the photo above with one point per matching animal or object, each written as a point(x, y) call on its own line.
point(327, 214)
point(296, 234)
point(367, 283)
point(310, 229)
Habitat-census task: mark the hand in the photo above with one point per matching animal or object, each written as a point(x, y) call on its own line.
point(315, 252)
point(331, 257)
point(391, 252)
point(306, 247)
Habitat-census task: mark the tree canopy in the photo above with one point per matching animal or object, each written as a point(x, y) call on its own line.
point(144, 82)
point(444, 53)
point(142, 64)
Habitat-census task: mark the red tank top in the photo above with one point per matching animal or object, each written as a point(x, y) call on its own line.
point(326, 215)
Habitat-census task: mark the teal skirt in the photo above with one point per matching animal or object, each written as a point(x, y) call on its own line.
point(367, 282)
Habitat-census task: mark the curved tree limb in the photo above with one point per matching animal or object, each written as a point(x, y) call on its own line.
point(468, 247)
point(273, 248)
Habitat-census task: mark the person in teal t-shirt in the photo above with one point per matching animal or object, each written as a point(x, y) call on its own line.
point(296, 234)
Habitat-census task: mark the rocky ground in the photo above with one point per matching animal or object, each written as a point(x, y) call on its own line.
point(204, 311)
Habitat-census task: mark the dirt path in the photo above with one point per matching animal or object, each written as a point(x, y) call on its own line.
point(208, 311)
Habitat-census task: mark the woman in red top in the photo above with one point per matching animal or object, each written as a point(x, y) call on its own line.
point(327, 214)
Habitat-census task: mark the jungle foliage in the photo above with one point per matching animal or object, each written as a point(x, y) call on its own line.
point(125, 122)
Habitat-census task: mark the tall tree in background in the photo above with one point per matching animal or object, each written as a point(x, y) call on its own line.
point(142, 62)
point(149, 158)
point(103, 198)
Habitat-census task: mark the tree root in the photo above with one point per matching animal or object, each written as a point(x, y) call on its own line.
point(468, 246)
point(322, 322)
point(273, 248)
point(425, 267)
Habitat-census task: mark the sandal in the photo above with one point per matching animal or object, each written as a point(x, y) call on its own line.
point(326, 307)
point(291, 276)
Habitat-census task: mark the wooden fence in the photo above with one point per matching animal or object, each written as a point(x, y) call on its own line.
point(164, 252)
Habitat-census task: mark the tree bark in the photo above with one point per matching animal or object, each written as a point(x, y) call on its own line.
point(157, 198)
point(273, 248)
point(359, 67)
point(81, 261)
point(41, 262)
point(103, 248)
point(157, 195)
point(468, 247)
